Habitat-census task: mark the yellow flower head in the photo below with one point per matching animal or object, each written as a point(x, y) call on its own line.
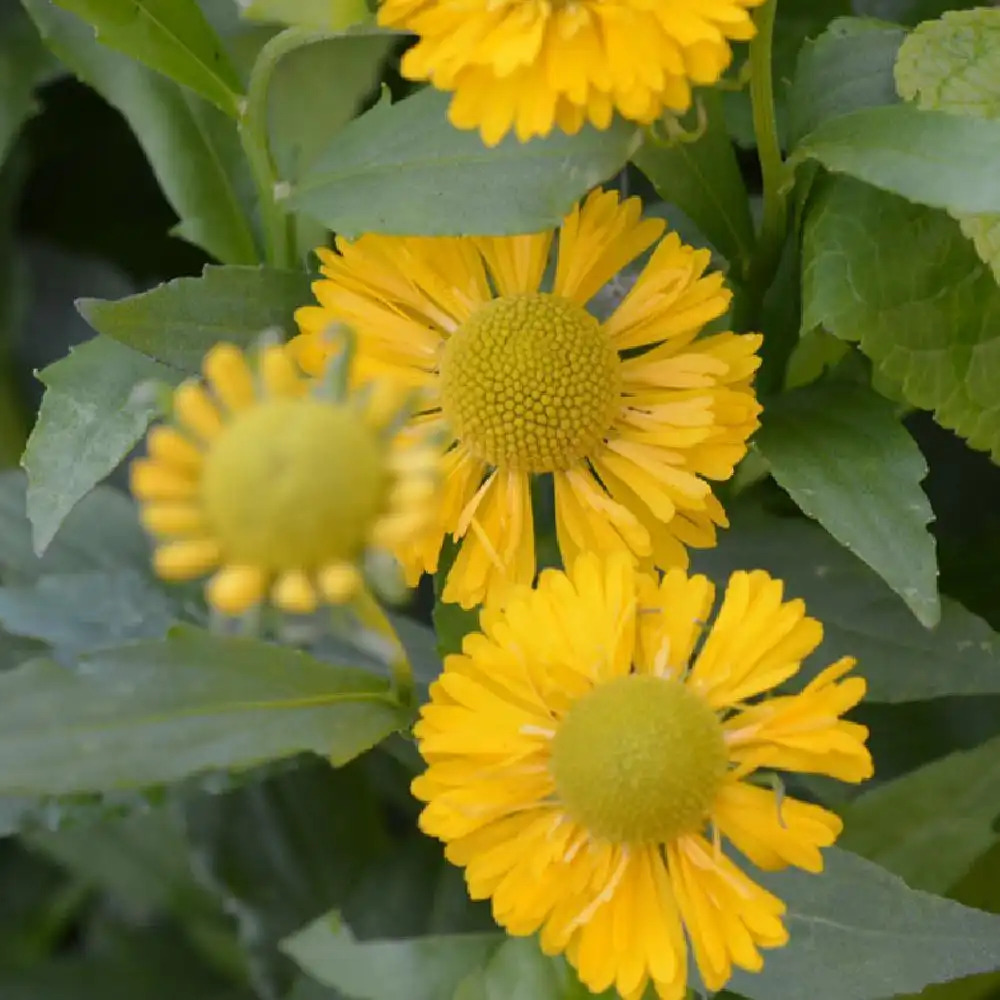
point(530, 65)
point(590, 747)
point(275, 488)
point(629, 415)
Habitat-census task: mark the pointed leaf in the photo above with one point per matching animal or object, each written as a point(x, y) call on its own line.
point(846, 460)
point(404, 169)
point(154, 712)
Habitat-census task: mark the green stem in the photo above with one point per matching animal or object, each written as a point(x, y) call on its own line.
point(278, 225)
point(774, 223)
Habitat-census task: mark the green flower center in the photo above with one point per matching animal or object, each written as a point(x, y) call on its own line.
point(530, 382)
point(294, 484)
point(639, 759)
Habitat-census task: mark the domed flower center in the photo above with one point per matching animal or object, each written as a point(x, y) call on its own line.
point(530, 381)
point(294, 484)
point(639, 759)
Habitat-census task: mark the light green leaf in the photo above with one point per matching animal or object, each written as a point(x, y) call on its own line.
point(404, 169)
point(912, 153)
point(170, 36)
point(90, 418)
point(901, 660)
point(178, 322)
point(24, 63)
point(929, 318)
point(334, 15)
point(424, 968)
point(859, 933)
point(954, 65)
point(842, 455)
point(344, 68)
point(194, 150)
point(930, 825)
point(847, 68)
point(154, 712)
point(703, 179)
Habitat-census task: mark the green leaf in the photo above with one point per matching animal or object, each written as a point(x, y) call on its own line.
point(901, 660)
point(859, 933)
point(928, 317)
point(90, 418)
point(344, 68)
point(848, 68)
point(178, 322)
point(703, 179)
point(842, 455)
point(333, 15)
point(912, 153)
point(155, 712)
point(194, 149)
point(100, 534)
point(24, 64)
point(954, 65)
point(930, 825)
point(170, 36)
point(78, 612)
point(404, 169)
point(424, 968)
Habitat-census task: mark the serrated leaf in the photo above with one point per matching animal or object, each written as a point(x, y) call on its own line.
point(178, 322)
point(953, 65)
point(154, 712)
point(842, 455)
point(901, 660)
point(424, 968)
point(929, 318)
point(193, 148)
point(910, 152)
point(703, 179)
point(171, 37)
point(930, 825)
point(859, 933)
point(847, 68)
point(404, 169)
point(90, 418)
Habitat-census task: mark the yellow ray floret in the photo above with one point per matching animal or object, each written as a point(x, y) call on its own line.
point(629, 416)
point(277, 491)
point(592, 745)
point(534, 65)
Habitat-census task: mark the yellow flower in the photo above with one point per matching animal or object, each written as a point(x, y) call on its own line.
point(276, 488)
point(590, 747)
point(629, 416)
point(531, 65)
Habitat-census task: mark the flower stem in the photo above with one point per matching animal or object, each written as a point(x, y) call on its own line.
point(774, 223)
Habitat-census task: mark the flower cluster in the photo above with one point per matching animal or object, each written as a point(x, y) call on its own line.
point(608, 727)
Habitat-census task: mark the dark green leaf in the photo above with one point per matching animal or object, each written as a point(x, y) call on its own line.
point(193, 148)
point(91, 417)
point(178, 322)
point(912, 153)
point(862, 617)
point(929, 318)
point(846, 460)
point(859, 933)
point(403, 168)
point(424, 968)
point(170, 36)
point(154, 712)
point(848, 68)
point(930, 825)
point(703, 179)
